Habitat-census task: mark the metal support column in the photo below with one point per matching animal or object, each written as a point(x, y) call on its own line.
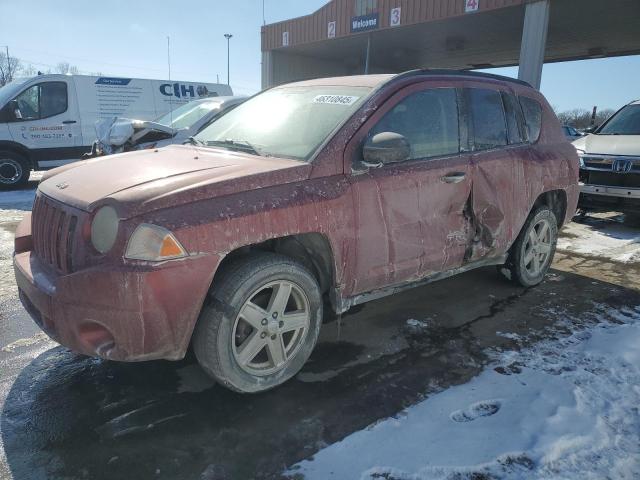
point(534, 41)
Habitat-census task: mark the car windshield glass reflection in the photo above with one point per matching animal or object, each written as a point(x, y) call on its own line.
point(625, 122)
point(290, 122)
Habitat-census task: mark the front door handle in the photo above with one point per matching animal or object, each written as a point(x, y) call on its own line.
point(454, 177)
point(67, 122)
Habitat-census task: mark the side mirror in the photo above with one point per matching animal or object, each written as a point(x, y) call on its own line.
point(10, 112)
point(591, 128)
point(386, 147)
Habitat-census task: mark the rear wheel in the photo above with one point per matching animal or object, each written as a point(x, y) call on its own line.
point(531, 255)
point(14, 170)
point(261, 323)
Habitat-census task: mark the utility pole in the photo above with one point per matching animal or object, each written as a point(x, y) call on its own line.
point(8, 62)
point(228, 37)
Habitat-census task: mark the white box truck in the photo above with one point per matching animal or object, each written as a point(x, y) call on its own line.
point(48, 120)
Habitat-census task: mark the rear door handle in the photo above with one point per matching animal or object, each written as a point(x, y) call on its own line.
point(454, 177)
point(67, 122)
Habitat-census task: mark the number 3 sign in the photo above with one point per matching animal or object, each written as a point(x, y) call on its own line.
point(471, 5)
point(394, 19)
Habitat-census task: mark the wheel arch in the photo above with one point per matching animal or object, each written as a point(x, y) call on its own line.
point(10, 146)
point(556, 200)
point(313, 250)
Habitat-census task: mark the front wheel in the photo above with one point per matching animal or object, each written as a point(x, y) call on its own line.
point(261, 323)
point(531, 255)
point(14, 170)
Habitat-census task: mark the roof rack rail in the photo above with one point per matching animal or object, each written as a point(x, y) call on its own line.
point(462, 73)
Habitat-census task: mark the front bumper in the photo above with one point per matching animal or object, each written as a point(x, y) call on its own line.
point(605, 197)
point(126, 313)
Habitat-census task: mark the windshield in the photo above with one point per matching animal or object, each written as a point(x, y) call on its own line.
point(625, 122)
point(10, 90)
point(290, 122)
point(187, 114)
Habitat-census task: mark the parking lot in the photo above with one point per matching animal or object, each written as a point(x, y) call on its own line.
point(68, 416)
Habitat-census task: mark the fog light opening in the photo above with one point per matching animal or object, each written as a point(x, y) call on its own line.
point(96, 338)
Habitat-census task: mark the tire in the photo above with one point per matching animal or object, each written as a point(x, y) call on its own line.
point(530, 259)
point(241, 338)
point(14, 170)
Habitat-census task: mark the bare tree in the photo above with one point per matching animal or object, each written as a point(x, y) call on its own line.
point(10, 67)
point(66, 68)
point(29, 71)
point(580, 118)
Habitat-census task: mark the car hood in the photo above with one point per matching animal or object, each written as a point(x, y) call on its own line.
point(610, 144)
point(152, 179)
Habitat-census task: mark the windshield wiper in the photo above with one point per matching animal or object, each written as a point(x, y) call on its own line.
point(195, 141)
point(240, 145)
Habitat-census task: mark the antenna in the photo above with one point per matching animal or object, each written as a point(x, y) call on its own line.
point(169, 64)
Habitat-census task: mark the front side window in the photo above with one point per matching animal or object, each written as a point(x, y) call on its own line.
point(290, 122)
point(625, 122)
point(29, 104)
point(489, 125)
point(42, 101)
point(428, 120)
point(532, 111)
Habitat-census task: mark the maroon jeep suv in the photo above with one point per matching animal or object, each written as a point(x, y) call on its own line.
point(327, 192)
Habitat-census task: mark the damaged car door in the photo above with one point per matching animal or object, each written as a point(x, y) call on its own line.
point(497, 141)
point(410, 213)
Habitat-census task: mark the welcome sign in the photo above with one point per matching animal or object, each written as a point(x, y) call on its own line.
point(364, 22)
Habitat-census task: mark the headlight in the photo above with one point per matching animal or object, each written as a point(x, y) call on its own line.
point(104, 229)
point(580, 156)
point(153, 243)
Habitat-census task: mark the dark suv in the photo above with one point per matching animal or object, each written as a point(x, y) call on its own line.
point(325, 192)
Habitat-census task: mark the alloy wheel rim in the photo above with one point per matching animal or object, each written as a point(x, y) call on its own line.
point(10, 171)
point(537, 248)
point(270, 328)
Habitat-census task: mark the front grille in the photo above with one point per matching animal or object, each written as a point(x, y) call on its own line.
point(52, 230)
point(607, 162)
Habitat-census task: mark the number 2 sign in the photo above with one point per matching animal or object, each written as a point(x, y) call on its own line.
point(471, 5)
point(331, 30)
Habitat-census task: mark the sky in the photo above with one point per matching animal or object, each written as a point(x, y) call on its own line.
point(129, 38)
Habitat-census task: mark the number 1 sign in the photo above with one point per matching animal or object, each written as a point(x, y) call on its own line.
point(471, 5)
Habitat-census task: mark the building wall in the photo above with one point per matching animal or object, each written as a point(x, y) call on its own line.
point(283, 67)
point(314, 27)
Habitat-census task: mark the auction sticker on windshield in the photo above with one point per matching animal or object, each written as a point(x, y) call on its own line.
point(336, 99)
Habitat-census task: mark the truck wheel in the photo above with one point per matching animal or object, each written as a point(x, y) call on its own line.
point(532, 253)
point(14, 170)
point(260, 324)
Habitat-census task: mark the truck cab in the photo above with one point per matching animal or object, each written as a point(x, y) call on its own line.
point(40, 126)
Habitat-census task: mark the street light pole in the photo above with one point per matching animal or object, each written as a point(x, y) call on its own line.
point(228, 37)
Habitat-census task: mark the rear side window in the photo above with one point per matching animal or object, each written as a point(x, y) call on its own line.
point(428, 120)
point(532, 111)
point(512, 111)
point(489, 125)
point(53, 99)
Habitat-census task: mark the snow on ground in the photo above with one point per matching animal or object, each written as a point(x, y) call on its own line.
point(13, 206)
point(602, 237)
point(563, 408)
